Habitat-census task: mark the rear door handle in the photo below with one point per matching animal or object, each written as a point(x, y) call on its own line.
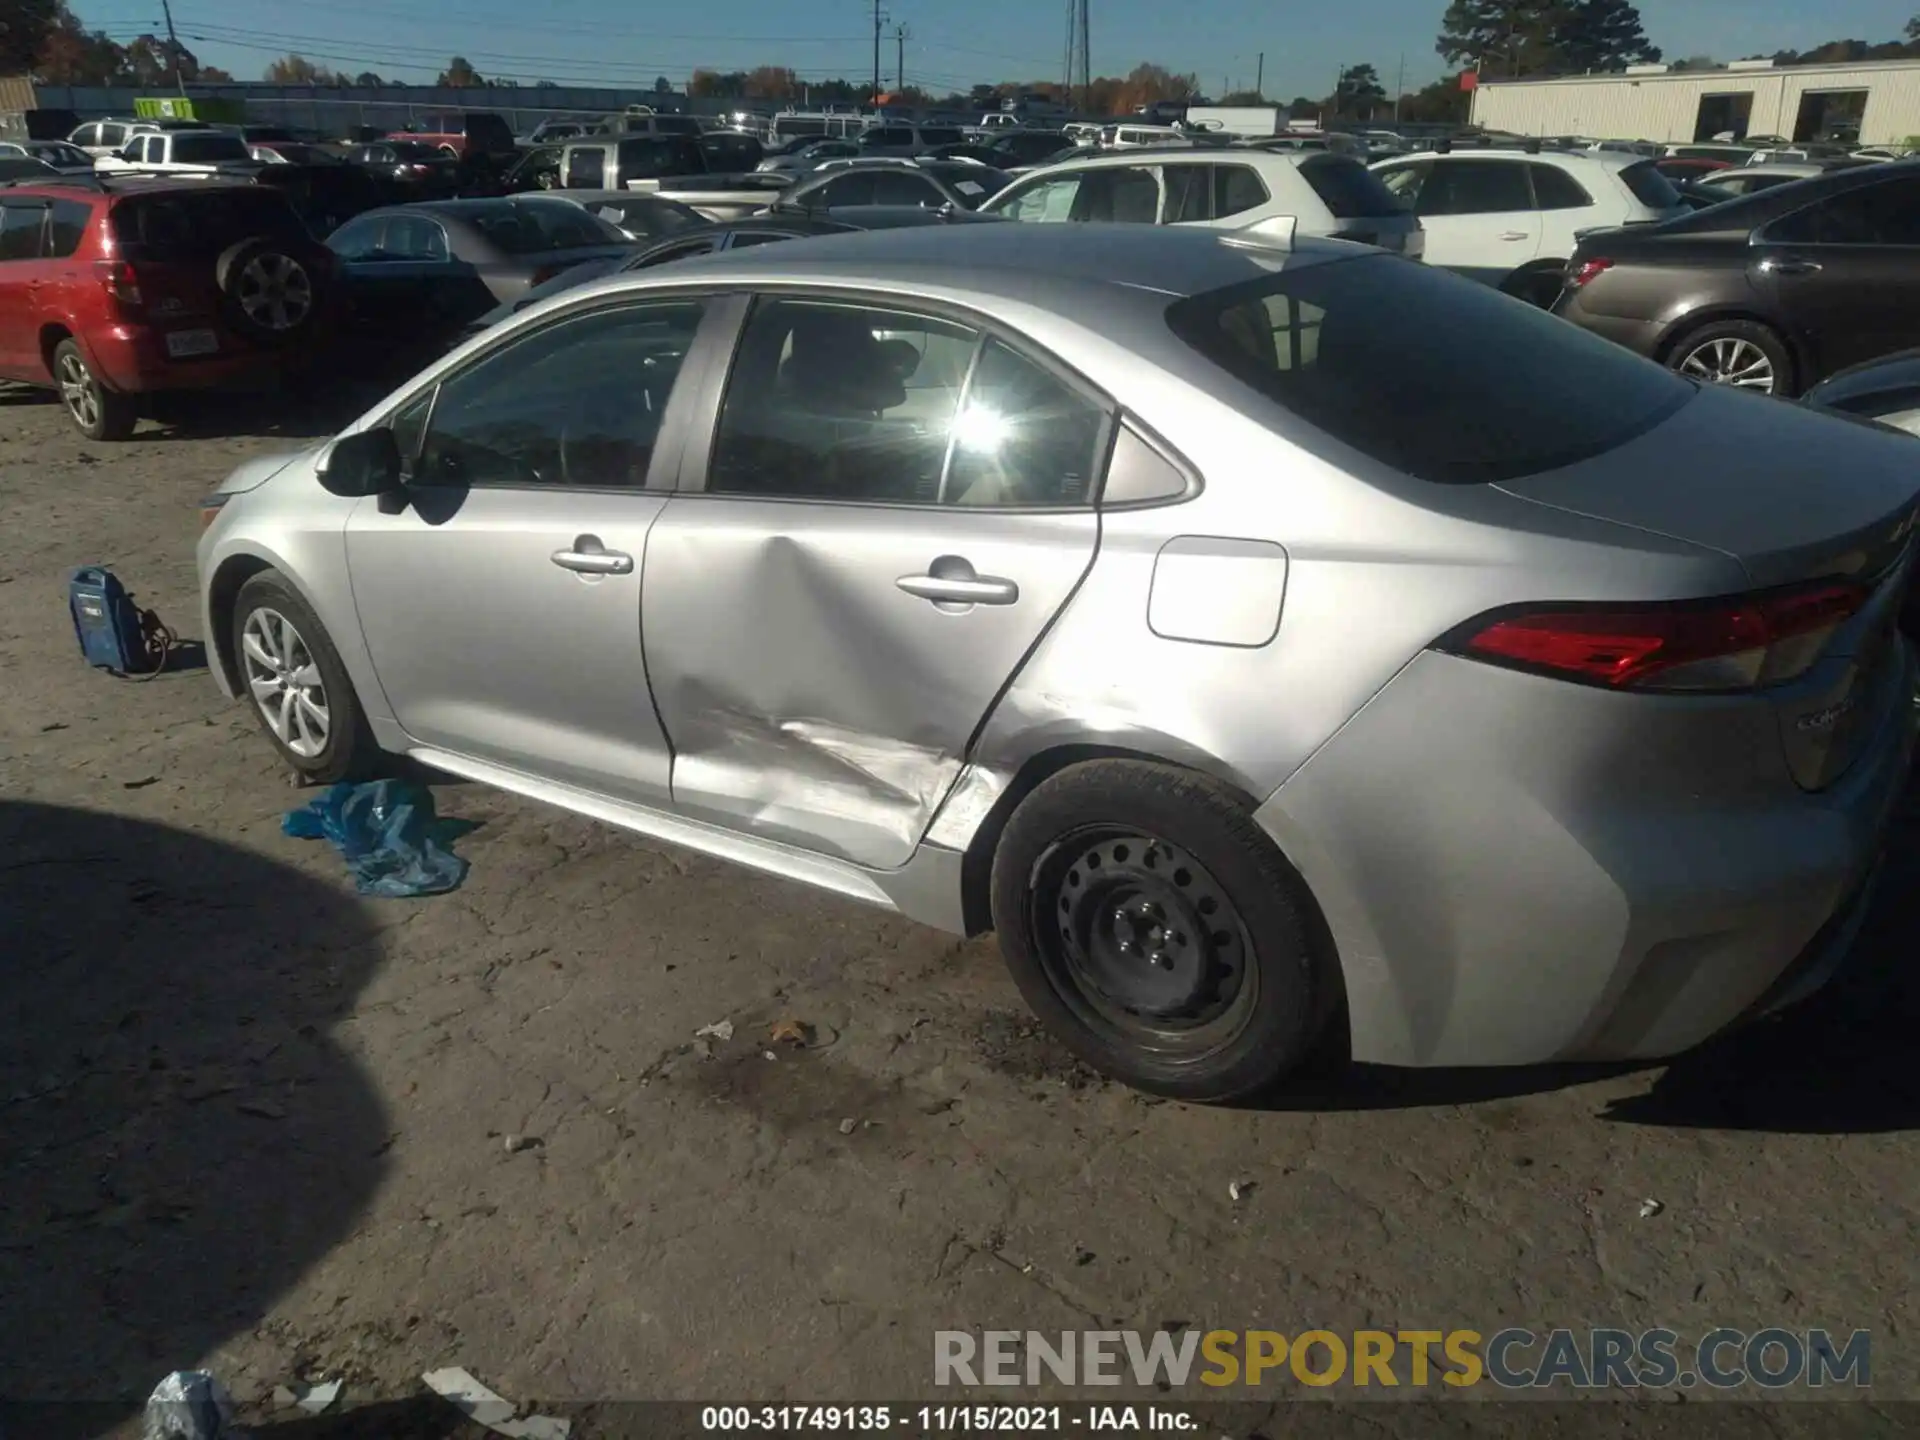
point(1790, 267)
point(589, 557)
point(953, 582)
point(1516, 235)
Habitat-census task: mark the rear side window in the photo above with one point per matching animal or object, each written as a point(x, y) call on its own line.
point(1883, 214)
point(1128, 196)
point(205, 149)
point(200, 224)
point(1440, 378)
point(67, 227)
point(1475, 187)
point(939, 135)
point(1649, 186)
point(1555, 189)
point(537, 226)
point(20, 227)
point(587, 169)
point(1348, 189)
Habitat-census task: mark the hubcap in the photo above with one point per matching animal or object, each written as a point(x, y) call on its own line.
point(1730, 361)
point(1140, 939)
point(275, 291)
point(78, 391)
point(285, 682)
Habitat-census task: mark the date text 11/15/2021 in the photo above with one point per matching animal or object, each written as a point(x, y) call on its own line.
point(947, 1419)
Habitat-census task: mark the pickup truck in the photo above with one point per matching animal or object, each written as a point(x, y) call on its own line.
point(615, 162)
point(181, 152)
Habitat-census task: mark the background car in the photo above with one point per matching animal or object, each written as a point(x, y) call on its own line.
point(294, 152)
point(24, 167)
point(1771, 292)
point(638, 216)
point(731, 151)
point(708, 239)
point(1740, 180)
point(1887, 390)
point(1233, 189)
point(801, 154)
point(412, 169)
point(414, 275)
point(843, 184)
point(112, 290)
point(56, 154)
point(897, 137)
point(818, 556)
point(1510, 218)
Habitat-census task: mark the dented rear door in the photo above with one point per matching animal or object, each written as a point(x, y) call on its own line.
point(831, 614)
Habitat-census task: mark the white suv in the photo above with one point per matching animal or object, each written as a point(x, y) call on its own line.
point(1512, 218)
point(1231, 188)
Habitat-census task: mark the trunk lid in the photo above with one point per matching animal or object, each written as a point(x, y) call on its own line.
point(1795, 497)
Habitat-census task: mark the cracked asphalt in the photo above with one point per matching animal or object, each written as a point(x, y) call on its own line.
point(256, 1123)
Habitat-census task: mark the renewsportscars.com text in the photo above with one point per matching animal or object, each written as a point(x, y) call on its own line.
point(1510, 1359)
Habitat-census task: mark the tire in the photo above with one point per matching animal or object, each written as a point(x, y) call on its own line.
point(1699, 355)
point(1539, 287)
point(1214, 995)
point(270, 294)
point(96, 411)
point(332, 716)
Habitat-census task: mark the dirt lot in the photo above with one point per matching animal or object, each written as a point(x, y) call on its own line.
point(254, 1122)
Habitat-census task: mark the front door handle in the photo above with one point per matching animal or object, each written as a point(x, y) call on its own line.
point(1516, 235)
point(951, 580)
point(1790, 267)
point(589, 557)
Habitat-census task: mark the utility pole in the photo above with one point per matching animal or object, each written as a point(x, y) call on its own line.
point(1086, 58)
point(899, 57)
point(173, 44)
point(1399, 89)
point(1260, 77)
point(878, 20)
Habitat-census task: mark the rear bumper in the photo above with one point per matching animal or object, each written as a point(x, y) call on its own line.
point(1518, 870)
point(134, 359)
point(1640, 336)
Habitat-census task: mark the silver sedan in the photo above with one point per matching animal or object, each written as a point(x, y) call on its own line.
point(1274, 646)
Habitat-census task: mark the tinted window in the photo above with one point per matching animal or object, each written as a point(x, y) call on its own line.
point(1238, 188)
point(1883, 214)
point(1023, 437)
point(1434, 375)
point(577, 404)
point(20, 227)
point(1124, 196)
point(86, 135)
point(414, 237)
point(1555, 189)
point(1475, 187)
point(1649, 186)
point(676, 125)
point(358, 239)
point(417, 152)
point(940, 135)
point(67, 227)
point(663, 156)
point(533, 226)
point(758, 237)
point(853, 188)
point(888, 135)
point(208, 149)
point(199, 224)
point(1347, 188)
point(683, 250)
point(1189, 194)
point(1043, 200)
point(587, 169)
point(900, 187)
point(833, 402)
point(113, 135)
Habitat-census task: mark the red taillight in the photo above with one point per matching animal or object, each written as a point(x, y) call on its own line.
point(118, 279)
point(418, 169)
point(1731, 644)
point(1586, 272)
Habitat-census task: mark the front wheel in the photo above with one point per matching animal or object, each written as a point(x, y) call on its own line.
point(292, 676)
point(1159, 933)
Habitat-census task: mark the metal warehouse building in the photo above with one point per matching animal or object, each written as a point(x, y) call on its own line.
point(1878, 100)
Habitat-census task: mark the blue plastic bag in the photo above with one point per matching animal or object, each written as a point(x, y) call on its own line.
point(387, 833)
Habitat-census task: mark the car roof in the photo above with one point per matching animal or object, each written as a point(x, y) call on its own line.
point(1032, 263)
point(1194, 155)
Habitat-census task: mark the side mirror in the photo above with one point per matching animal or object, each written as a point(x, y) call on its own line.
point(364, 464)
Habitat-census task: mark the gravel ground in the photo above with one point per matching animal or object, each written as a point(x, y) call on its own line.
point(257, 1123)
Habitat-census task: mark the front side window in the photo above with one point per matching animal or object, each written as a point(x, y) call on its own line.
point(1476, 187)
point(358, 239)
point(1044, 200)
point(574, 405)
point(414, 237)
point(853, 188)
point(900, 187)
point(1404, 182)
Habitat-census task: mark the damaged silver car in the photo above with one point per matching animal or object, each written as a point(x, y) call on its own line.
point(1274, 645)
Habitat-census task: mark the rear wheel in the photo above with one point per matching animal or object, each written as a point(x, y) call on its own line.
point(1742, 353)
point(97, 412)
point(1156, 929)
point(1537, 287)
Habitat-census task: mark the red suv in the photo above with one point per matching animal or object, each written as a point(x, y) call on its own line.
point(111, 289)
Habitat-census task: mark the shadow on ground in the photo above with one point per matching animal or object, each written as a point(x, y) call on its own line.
point(1836, 1064)
point(182, 1138)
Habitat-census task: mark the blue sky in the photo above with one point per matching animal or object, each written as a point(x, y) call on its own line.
point(949, 46)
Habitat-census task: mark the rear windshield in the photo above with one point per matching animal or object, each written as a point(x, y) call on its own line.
point(676, 125)
point(1649, 186)
point(536, 226)
point(208, 149)
point(940, 135)
point(1348, 189)
point(1439, 377)
point(200, 224)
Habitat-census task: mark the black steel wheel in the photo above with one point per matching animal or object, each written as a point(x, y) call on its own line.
point(1154, 927)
